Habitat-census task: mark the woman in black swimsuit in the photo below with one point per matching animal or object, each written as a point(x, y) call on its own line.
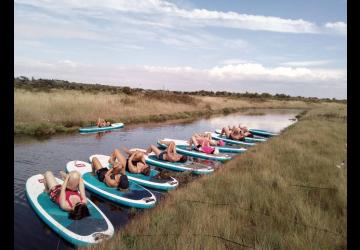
point(113, 177)
point(134, 164)
point(235, 134)
point(169, 154)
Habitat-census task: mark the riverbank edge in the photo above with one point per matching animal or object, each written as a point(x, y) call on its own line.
point(148, 228)
point(68, 127)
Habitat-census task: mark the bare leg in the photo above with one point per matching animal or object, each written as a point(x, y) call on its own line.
point(73, 182)
point(172, 148)
point(167, 143)
point(154, 149)
point(225, 131)
point(96, 165)
point(50, 180)
point(119, 157)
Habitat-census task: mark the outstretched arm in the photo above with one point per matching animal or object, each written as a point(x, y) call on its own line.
point(62, 199)
point(110, 182)
point(82, 191)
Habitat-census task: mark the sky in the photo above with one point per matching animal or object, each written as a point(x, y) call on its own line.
point(298, 48)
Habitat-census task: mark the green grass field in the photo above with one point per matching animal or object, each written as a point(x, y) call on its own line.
point(287, 193)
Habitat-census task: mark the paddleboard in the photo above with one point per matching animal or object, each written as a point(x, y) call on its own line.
point(182, 149)
point(262, 132)
point(246, 139)
point(147, 181)
point(194, 167)
point(185, 144)
point(86, 231)
point(99, 129)
point(218, 137)
point(136, 195)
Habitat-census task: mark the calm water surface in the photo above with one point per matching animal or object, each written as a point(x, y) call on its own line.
point(33, 156)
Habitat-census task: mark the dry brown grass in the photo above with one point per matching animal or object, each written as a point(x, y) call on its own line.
point(73, 105)
point(287, 193)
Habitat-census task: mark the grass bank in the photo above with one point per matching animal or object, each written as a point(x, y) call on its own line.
point(287, 193)
point(61, 110)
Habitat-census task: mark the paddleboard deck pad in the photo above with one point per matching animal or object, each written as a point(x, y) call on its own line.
point(147, 181)
point(194, 167)
point(86, 231)
point(100, 129)
point(183, 149)
point(135, 196)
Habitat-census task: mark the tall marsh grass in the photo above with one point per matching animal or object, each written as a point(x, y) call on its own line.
point(287, 193)
point(66, 110)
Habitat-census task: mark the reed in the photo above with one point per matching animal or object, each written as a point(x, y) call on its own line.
point(58, 110)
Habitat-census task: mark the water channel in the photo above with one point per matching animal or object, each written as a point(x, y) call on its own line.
point(33, 156)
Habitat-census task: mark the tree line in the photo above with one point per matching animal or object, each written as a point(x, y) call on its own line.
point(49, 84)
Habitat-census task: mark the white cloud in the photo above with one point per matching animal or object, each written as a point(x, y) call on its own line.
point(234, 61)
point(162, 11)
point(240, 77)
point(339, 27)
point(306, 63)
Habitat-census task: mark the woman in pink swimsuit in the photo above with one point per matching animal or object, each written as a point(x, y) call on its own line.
point(70, 196)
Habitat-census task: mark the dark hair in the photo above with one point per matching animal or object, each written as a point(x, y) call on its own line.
point(123, 182)
point(80, 211)
point(183, 158)
point(146, 171)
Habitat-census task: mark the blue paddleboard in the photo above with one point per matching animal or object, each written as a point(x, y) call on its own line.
point(246, 139)
point(100, 129)
point(143, 180)
point(182, 149)
point(136, 195)
point(86, 231)
point(194, 167)
point(262, 132)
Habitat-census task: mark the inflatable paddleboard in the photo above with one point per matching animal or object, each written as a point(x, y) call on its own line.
point(262, 132)
point(99, 129)
point(136, 195)
point(148, 181)
point(86, 231)
point(185, 144)
point(195, 168)
point(246, 139)
point(218, 137)
point(183, 149)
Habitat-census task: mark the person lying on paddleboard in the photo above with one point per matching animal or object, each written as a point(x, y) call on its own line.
point(169, 154)
point(234, 134)
point(102, 123)
point(244, 129)
point(135, 163)
point(207, 136)
point(67, 195)
point(202, 145)
point(113, 177)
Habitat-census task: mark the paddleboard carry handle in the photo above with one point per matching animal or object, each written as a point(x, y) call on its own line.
point(79, 165)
